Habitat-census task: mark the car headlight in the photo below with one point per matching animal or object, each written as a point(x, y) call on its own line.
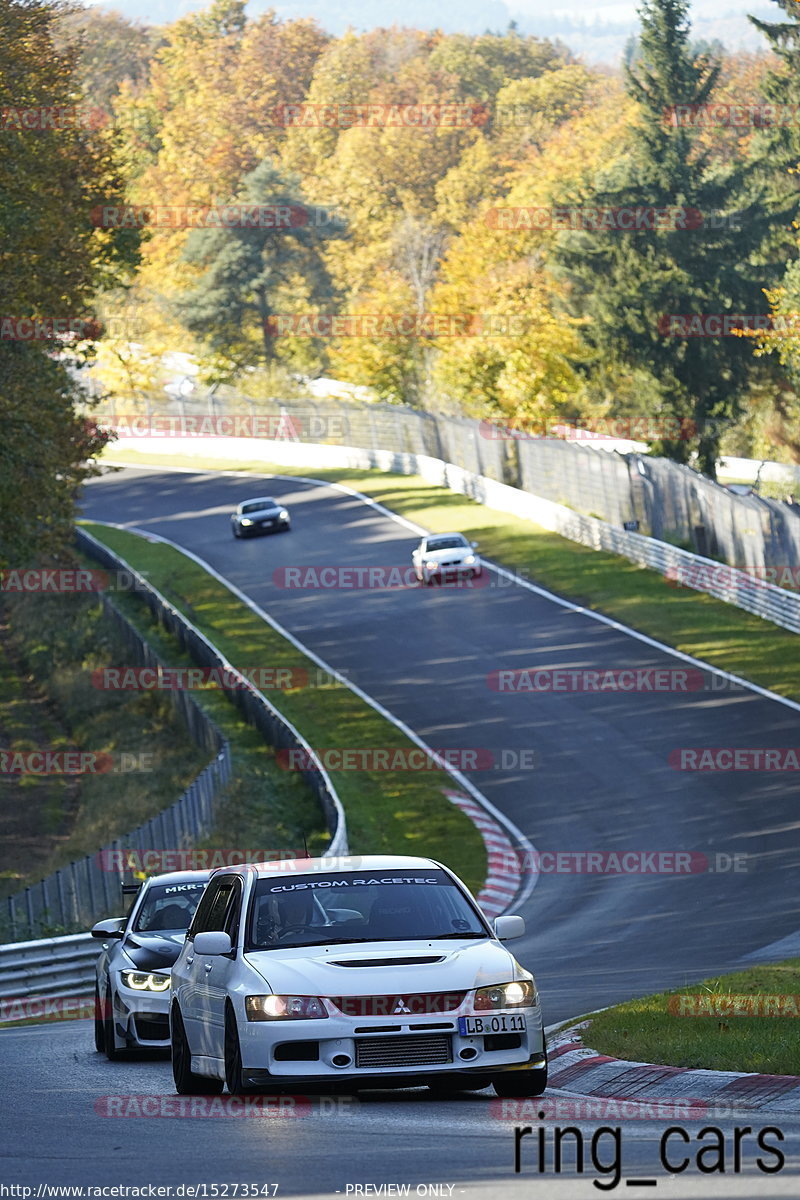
point(520, 994)
point(283, 514)
point(245, 521)
point(470, 558)
point(431, 566)
point(144, 981)
point(284, 1008)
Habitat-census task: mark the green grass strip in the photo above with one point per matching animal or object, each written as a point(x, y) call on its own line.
point(52, 646)
point(651, 1030)
point(392, 812)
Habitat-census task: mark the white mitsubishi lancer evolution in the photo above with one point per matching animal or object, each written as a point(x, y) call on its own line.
point(362, 972)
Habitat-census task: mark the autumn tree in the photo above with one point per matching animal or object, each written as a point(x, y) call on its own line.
point(52, 261)
point(112, 51)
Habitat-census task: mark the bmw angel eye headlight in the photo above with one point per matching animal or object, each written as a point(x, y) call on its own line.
point(431, 565)
point(283, 514)
point(246, 521)
point(284, 1008)
point(506, 995)
point(470, 558)
point(144, 981)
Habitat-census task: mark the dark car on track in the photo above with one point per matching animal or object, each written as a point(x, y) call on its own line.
point(260, 515)
point(133, 969)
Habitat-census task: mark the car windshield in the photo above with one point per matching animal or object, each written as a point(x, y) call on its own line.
point(257, 505)
point(338, 908)
point(168, 906)
point(456, 542)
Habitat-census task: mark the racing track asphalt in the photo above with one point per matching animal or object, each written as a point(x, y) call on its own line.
point(56, 1090)
point(601, 780)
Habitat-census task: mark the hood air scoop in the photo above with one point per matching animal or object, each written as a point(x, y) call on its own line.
point(388, 962)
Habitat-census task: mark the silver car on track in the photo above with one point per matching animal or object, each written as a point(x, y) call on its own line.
point(445, 557)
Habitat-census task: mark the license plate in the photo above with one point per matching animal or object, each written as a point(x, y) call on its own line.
point(264, 524)
point(497, 1023)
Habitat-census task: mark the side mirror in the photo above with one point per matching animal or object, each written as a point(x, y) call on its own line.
point(474, 545)
point(213, 941)
point(507, 928)
point(114, 927)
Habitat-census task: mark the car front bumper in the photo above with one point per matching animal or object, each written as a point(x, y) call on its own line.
point(452, 570)
point(268, 525)
point(340, 1048)
point(141, 1019)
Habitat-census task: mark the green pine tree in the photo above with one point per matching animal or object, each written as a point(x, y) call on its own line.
point(780, 140)
point(247, 270)
point(626, 285)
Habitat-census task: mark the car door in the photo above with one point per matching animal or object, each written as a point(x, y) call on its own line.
point(193, 969)
point(219, 970)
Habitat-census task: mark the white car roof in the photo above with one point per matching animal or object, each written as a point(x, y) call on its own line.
point(355, 864)
point(430, 536)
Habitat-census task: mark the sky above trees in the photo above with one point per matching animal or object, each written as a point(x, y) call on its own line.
point(599, 31)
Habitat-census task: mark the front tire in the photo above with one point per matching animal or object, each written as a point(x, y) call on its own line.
point(233, 1056)
point(187, 1083)
point(99, 1030)
point(520, 1084)
point(109, 1039)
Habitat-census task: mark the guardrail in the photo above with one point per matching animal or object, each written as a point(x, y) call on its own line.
point(681, 567)
point(62, 966)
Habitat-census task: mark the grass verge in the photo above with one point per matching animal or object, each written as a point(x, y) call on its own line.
point(393, 812)
point(651, 1030)
point(49, 647)
point(721, 634)
point(263, 807)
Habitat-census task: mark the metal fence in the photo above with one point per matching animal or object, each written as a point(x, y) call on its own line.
point(669, 501)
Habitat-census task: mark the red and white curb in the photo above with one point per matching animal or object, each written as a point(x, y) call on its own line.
point(504, 874)
point(578, 1070)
